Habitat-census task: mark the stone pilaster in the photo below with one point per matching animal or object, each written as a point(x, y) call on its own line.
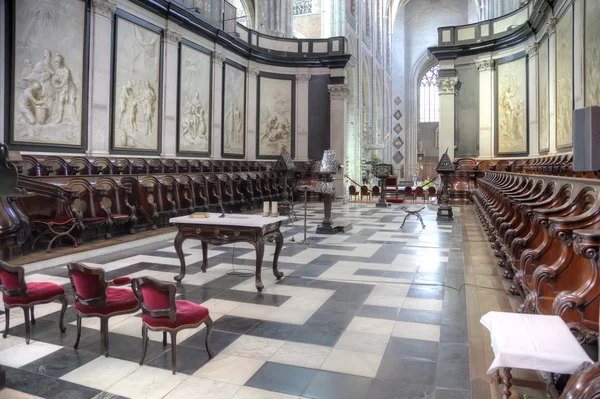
point(338, 99)
point(551, 29)
point(217, 95)
point(274, 17)
point(532, 65)
point(448, 88)
point(252, 108)
point(170, 76)
point(302, 81)
point(486, 107)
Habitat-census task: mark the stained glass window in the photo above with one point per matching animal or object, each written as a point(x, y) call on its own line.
point(429, 99)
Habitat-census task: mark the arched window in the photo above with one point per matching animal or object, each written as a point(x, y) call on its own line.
point(242, 15)
point(429, 99)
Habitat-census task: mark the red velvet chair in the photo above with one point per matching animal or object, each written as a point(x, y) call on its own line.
point(408, 192)
point(364, 191)
point(163, 313)
point(352, 192)
point(16, 293)
point(375, 191)
point(431, 192)
point(419, 192)
point(96, 297)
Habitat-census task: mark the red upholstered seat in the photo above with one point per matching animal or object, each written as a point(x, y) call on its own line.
point(188, 314)
point(57, 219)
point(36, 292)
point(117, 300)
point(93, 220)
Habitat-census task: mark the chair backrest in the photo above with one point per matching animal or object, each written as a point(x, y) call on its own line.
point(364, 190)
point(12, 280)
point(352, 190)
point(89, 284)
point(419, 190)
point(431, 190)
point(408, 190)
point(375, 189)
point(391, 181)
point(157, 299)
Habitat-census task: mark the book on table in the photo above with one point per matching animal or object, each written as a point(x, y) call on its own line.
point(199, 215)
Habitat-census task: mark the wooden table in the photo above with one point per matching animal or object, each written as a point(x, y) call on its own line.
point(217, 230)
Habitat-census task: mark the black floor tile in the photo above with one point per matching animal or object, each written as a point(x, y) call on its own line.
point(311, 270)
point(108, 395)
point(226, 282)
point(268, 299)
point(189, 360)
point(219, 340)
point(273, 330)
point(414, 348)
point(60, 362)
point(282, 378)
point(426, 292)
point(369, 272)
point(457, 318)
point(403, 275)
point(329, 385)
point(451, 352)
point(454, 333)
point(295, 281)
point(122, 347)
point(453, 376)
point(414, 371)
point(201, 294)
point(378, 312)
point(234, 324)
point(325, 284)
point(44, 386)
point(315, 335)
point(381, 389)
point(352, 293)
point(420, 316)
point(236, 295)
point(441, 393)
point(430, 278)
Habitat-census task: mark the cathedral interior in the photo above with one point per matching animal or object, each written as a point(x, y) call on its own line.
point(291, 199)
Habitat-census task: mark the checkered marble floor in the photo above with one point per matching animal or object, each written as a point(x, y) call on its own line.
point(359, 315)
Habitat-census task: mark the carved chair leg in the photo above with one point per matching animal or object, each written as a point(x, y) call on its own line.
point(164, 338)
point(104, 333)
point(506, 383)
point(144, 343)
point(78, 331)
point(32, 317)
point(63, 310)
point(7, 321)
point(27, 325)
point(173, 351)
point(209, 327)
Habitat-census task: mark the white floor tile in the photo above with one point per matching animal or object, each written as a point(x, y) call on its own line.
point(426, 332)
point(423, 304)
point(21, 354)
point(254, 393)
point(302, 355)
point(350, 362)
point(371, 326)
point(101, 372)
point(231, 369)
point(362, 342)
point(253, 347)
point(196, 387)
point(147, 383)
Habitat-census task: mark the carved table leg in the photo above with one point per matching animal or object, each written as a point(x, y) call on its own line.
point(204, 257)
point(260, 251)
point(178, 243)
point(278, 245)
point(506, 383)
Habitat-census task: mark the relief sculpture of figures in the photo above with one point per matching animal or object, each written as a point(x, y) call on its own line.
point(234, 125)
point(194, 100)
point(49, 65)
point(275, 116)
point(135, 122)
point(564, 80)
point(592, 53)
point(512, 103)
point(543, 106)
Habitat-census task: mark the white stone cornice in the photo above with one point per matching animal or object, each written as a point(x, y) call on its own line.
point(532, 50)
point(303, 78)
point(448, 85)
point(340, 92)
point(219, 58)
point(485, 65)
point(551, 26)
point(252, 72)
point(105, 8)
point(172, 37)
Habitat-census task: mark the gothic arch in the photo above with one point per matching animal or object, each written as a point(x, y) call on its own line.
point(248, 9)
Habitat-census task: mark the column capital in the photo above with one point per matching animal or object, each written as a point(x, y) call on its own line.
point(172, 37)
point(551, 26)
point(303, 77)
point(219, 58)
point(105, 8)
point(532, 50)
point(339, 92)
point(485, 65)
point(252, 72)
point(448, 84)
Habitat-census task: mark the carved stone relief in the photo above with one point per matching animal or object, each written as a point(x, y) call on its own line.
point(544, 96)
point(194, 100)
point(48, 71)
point(564, 80)
point(512, 107)
point(137, 81)
point(592, 53)
point(234, 110)
point(275, 111)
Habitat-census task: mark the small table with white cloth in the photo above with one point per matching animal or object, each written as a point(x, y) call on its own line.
point(533, 342)
point(220, 230)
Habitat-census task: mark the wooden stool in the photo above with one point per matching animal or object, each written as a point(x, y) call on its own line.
point(412, 212)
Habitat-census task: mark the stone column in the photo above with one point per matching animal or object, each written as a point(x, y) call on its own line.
point(486, 108)
point(302, 117)
point(3, 83)
point(448, 87)
point(338, 97)
point(274, 17)
point(551, 29)
point(99, 77)
point(217, 88)
point(251, 110)
point(170, 71)
point(532, 55)
point(578, 54)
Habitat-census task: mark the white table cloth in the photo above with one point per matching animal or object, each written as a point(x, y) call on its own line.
point(533, 342)
point(230, 220)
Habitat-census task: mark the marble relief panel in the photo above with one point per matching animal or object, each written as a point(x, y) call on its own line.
point(275, 116)
point(137, 80)
point(592, 53)
point(48, 72)
point(234, 110)
point(544, 95)
point(511, 103)
point(564, 80)
point(194, 100)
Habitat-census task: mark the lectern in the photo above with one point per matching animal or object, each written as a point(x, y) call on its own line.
point(325, 170)
point(382, 171)
point(286, 166)
point(445, 168)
